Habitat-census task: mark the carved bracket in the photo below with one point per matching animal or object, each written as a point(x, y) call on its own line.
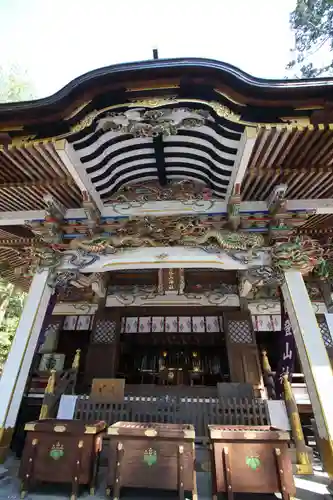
point(252, 279)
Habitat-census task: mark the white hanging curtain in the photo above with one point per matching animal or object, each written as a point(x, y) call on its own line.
point(267, 322)
point(172, 324)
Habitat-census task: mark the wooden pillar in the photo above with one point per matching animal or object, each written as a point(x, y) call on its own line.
point(314, 359)
point(243, 353)
point(101, 360)
point(303, 461)
point(17, 366)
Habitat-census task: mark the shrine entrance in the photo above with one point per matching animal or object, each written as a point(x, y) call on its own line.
point(181, 364)
point(166, 328)
point(183, 347)
point(187, 346)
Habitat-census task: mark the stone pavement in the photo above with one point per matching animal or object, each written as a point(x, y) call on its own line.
point(308, 488)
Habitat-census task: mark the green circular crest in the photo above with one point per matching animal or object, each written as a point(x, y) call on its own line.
point(57, 451)
point(253, 462)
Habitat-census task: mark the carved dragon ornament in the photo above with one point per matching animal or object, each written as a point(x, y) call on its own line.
point(300, 253)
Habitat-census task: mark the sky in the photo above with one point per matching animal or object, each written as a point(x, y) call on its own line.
point(56, 41)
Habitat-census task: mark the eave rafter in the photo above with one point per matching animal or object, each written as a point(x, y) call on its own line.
point(32, 193)
point(37, 184)
point(300, 157)
point(314, 169)
point(29, 172)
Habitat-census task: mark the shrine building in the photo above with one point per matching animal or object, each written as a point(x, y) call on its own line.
point(171, 222)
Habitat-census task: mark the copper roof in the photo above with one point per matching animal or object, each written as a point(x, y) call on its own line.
point(239, 87)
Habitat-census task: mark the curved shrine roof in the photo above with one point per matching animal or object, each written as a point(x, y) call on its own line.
point(149, 125)
point(187, 78)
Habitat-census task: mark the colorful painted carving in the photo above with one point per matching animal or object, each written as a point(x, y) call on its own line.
point(228, 240)
point(206, 232)
point(153, 122)
point(152, 191)
point(301, 253)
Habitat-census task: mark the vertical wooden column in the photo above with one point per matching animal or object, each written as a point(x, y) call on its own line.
point(101, 360)
point(16, 370)
point(243, 351)
point(314, 359)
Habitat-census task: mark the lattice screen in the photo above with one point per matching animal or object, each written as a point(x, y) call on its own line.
point(325, 331)
point(239, 331)
point(104, 331)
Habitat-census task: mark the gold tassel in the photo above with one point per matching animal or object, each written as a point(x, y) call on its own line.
point(76, 361)
point(51, 383)
point(302, 456)
point(49, 389)
point(44, 411)
point(288, 393)
point(265, 362)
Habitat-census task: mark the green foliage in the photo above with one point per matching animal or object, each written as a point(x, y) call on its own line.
point(312, 24)
point(12, 300)
point(14, 85)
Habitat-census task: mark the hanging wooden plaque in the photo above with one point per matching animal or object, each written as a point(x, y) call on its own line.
point(111, 389)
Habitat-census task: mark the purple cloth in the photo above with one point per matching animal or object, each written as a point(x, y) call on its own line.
point(287, 351)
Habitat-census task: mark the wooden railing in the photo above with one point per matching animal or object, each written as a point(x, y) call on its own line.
point(199, 412)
